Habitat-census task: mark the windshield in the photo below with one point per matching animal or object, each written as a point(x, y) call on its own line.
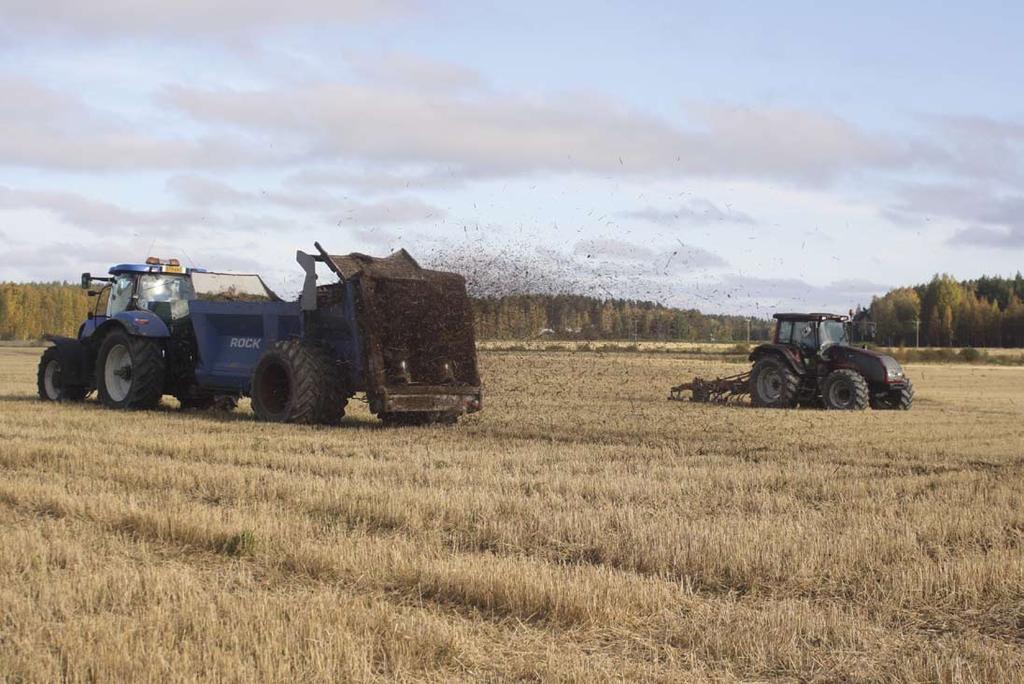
point(832, 332)
point(120, 294)
point(161, 287)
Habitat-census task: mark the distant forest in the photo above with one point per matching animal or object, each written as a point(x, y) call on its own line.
point(986, 312)
point(28, 310)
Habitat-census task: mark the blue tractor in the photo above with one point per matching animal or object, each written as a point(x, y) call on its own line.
point(388, 328)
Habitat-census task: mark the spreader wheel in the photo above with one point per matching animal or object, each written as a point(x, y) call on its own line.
point(298, 382)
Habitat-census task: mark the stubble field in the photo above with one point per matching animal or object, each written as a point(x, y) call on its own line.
point(580, 528)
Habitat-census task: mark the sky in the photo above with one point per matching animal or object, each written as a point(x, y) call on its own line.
point(733, 157)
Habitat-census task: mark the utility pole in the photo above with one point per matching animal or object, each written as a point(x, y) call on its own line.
point(917, 332)
point(748, 330)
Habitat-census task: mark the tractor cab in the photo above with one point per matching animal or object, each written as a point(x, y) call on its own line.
point(811, 335)
point(164, 287)
point(160, 286)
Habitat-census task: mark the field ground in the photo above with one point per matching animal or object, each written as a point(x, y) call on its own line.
point(580, 528)
point(993, 355)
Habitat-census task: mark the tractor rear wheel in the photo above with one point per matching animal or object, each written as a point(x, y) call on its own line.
point(298, 382)
point(50, 380)
point(130, 371)
point(845, 390)
point(901, 399)
point(773, 384)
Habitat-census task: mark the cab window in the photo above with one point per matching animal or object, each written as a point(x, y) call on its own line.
point(785, 331)
point(803, 334)
point(833, 332)
point(120, 294)
point(157, 287)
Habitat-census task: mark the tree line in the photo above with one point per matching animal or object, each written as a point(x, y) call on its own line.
point(986, 312)
point(28, 310)
point(590, 318)
point(945, 312)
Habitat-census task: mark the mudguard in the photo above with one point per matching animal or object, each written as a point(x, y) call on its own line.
point(73, 359)
point(785, 351)
point(90, 326)
point(142, 323)
point(868, 363)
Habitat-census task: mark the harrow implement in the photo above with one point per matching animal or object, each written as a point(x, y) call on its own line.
point(717, 390)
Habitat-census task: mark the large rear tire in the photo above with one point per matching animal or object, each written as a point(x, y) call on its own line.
point(773, 384)
point(901, 399)
point(50, 380)
point(298, 382)
point(130, 371)
point(845, 390)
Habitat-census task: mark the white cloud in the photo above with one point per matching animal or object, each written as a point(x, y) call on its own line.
point(96, 216)
point(625, 258)
point(207, 192)
point(376, 181)
point(1009, 237)
point(696, 211)
point(406, 71)
point(48, 129)
point(614, 249)
point(112, 17)
point(487, 133)
point(386, 211)
point(993, 218)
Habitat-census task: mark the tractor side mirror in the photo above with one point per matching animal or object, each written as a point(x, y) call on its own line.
point(86, 281)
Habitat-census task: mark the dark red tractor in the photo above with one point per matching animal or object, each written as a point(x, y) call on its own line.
point(811, 362)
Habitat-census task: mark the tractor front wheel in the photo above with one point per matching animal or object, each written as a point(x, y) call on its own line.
point(845, 390)
point(50, 380)
point(773, 384)
point(901, 399)
point(297, 382)
point(130, 372)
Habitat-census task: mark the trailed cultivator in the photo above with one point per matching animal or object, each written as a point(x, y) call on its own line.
point(719, 390)
point(811, 362)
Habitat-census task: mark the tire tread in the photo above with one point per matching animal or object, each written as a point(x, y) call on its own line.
point(861, 394)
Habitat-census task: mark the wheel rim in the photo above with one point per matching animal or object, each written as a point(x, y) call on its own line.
point(50, 375)
point(117, 372)
point(840, 395)
point(769, 384)
point(274, 388)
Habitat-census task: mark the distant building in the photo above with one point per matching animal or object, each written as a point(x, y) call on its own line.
point(862, 326)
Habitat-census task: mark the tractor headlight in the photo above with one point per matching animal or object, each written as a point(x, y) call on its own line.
point(893, 370)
